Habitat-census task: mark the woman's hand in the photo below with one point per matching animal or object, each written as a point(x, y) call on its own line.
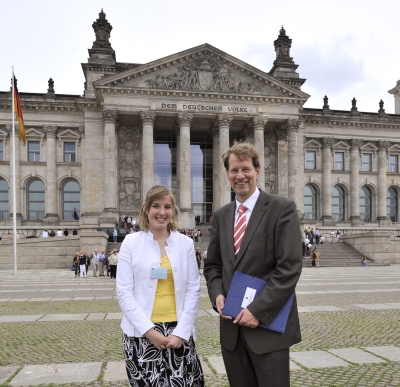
point(174, 342)
point(157, 339)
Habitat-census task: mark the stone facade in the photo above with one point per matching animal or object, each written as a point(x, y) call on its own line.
point(127, 109)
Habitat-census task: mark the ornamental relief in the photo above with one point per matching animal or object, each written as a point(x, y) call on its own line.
point(207, 74)
point(129, 168)
point(270, 162)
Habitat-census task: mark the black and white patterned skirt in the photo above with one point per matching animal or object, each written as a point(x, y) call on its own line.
point(147, 366)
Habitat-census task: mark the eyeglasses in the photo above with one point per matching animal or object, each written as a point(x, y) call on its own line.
point(236, 171)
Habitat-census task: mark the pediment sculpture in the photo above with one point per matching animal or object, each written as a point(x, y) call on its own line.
point(205, 74)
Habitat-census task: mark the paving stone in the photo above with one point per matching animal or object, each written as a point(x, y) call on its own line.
point(205, 367)
point(64, 317)
point(39, 299)
point(21, 318)
point(115, 371)
point(103, 298)
point(293, 366)
point(326, 308)
point(212, 312)
point(57, 374)
point(96, 316)
point(65, 290)
point(317, 359)
point(83, 298)
point(375, 306)
point(4, 299)
point(217, 363)
point(114, 316)
point(356, 355)
point(202, 313)
point(302, 309)
point(61, 299)
point(6, 373)
point(394, 304)
point(389, 352)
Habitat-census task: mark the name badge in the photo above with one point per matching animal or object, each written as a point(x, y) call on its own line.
point(158, 273)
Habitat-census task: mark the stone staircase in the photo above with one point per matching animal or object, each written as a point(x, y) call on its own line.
point(339, 254)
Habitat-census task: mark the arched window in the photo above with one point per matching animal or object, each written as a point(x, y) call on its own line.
point(3, 199)
point(391, 204)
point(337, 203)
point(36, 198)
point(71, 200)
point(310, 202)
point(365, 204)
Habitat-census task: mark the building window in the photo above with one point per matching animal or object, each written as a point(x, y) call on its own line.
point(339, 161)
point(394, 164)
point(35, 200)
point(71, 198)
point(310, 202)
point(3, 199)
point(391, 204)
point(367, 162)
point(311, 160)
point(337, 203)
point(33, 151)
point(365, 204)
point(69, 152)
point(1, 151)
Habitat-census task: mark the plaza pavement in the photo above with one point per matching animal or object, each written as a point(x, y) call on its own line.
point(56, 329)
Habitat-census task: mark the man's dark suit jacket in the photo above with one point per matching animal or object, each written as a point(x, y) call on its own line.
point(271, 250)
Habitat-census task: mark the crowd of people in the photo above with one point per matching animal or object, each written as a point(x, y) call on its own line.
point(46, 233)
point(194, 234)
point(105, 264)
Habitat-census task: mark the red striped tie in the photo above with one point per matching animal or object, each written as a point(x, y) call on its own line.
point(240, 228)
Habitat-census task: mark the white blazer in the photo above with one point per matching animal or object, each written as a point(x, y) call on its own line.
point(136, 290)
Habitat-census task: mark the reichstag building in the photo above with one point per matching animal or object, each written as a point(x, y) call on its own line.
point(169, 121)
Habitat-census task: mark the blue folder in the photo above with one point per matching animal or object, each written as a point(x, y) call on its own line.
point(233, 303)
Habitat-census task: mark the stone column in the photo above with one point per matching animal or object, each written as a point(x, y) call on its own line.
point(301, 139)
point(216, 167)
point(186, 217)
point(51, 217)
point(18, 197)
point(382, 169)
point(110, 163)
point(282, 161)
point(293, 182)
point(224, 123)
point(147, 118)
point(327, 143)
point(178, 165)
point(259, 123)
point(354, 181)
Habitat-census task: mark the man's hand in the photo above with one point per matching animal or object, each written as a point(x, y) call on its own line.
point(174, 342)
point(220, 302)
point(246, 318)
point(157, 339)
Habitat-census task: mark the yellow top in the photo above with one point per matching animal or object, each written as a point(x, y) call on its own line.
point(164, 309)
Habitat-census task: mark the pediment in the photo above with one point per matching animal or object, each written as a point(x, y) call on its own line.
point(394, 148)
point(369, 146)
point(203, 69)
point(341, 145)
point(68, 133)
point(312, 144)
point(34, 132)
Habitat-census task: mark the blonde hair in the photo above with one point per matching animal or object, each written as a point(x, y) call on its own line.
point(242, 150)
point(154, 193)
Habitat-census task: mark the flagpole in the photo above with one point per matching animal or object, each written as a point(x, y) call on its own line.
point(13, 174)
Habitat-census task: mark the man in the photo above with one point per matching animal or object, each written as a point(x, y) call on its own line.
point(317, 236)
point(59, 232)
point(266, 246)
point(95, 262)
point(102, 258)
point(66, 232)
point(198, 257)
point(317, 256)
point(82, 264)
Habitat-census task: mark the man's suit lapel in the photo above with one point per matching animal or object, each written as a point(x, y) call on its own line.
point(258, 212)
point(229, 226)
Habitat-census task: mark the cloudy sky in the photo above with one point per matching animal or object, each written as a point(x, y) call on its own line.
point(344, 48)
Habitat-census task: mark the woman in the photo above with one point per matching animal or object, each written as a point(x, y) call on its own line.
point(159, 308)
point(76, 263)
point(113, 264)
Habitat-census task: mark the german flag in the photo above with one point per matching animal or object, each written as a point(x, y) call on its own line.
point(18, 112)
